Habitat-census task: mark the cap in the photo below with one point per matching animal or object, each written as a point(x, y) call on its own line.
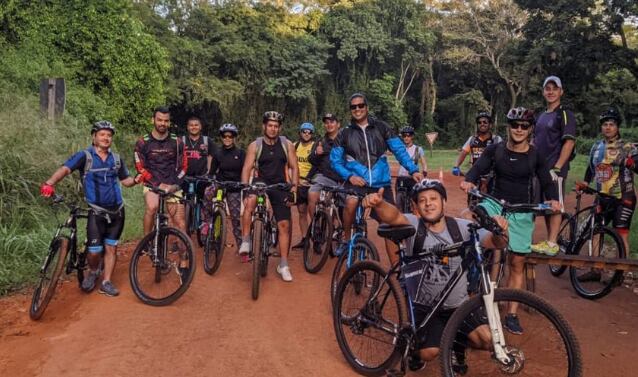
point(553, 79)
point(330, 116)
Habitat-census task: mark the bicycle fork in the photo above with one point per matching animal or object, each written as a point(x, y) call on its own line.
point(496, 327)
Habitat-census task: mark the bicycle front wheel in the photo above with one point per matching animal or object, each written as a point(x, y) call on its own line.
point(547, 347)
point(256, 250)
point(316, 249)
point(49, 276)
point(361, 250)
point(368, 315)
point(594, 283)
point(215, 242)
point(159, 277)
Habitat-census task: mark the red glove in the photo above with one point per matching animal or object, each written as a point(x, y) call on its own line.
point(580, 185)
point(143, 177)
point(47, 190)
point(629, 162)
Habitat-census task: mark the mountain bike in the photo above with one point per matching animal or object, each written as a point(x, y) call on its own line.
point(324, 231)
point(358, 248)
point(377, 319)
point(263, 231)
point(162, 266)
point(193, 206)
point(63, 255)
point(585, 233)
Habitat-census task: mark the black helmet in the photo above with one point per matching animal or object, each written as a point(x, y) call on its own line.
point(610, 114)
point(407, 130)
point(102, 125)
point(520, 114)
point(483, 114)
point(428, 184)
point(228, 127)
point(273, 115)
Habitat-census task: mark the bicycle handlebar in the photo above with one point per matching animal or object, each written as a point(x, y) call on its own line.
point(260, 186)
point(349, 191)
point(591, 191)
point(513, 208)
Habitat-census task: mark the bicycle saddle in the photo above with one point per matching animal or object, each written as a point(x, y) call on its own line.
point(395, 233)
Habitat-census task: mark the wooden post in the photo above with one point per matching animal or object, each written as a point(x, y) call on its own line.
point(52, 98)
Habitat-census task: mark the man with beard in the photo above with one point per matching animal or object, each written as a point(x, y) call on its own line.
point(199, 152)
point(515, 164)
point(272, 159)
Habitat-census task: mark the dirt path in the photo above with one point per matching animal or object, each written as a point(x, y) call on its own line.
point(216, 329)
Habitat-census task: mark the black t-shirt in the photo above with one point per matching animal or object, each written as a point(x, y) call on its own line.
point(197, 155)
point(272, 163)
point(228, 163)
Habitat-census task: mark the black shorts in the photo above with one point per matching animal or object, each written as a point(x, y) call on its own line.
point(619, 212)
point(104, 228)
point(541, 195)
point(302, 194)
point(387, 195)
point(430, 335)
point(198, 187)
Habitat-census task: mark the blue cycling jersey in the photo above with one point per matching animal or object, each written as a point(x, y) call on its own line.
point(102, 181)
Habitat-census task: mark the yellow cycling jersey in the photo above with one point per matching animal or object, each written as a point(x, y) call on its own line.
point(303, 152)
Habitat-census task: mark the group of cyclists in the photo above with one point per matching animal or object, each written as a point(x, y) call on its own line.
point(527, 167)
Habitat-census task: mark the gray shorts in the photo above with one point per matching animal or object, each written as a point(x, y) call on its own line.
point(321, 180)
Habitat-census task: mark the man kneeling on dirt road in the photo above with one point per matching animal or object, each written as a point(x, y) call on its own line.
point(434, 228)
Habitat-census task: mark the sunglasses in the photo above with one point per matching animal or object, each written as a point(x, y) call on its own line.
point(523, 126)
point(227, 136)
point(308, 132)
point(482, 122)
point(357, 106)
point(407, 135)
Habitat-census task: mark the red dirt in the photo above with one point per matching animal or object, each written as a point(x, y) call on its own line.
point(216, 329)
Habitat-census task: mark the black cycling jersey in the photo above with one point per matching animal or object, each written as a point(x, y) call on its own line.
point(163, 159)
point(272, 163)
point(197, 153)
point(513, 180)
point(228, 163)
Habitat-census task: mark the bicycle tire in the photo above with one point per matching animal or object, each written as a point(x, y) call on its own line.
point(473, 309)
point(163, 268)
point(362, 245)
point(215, 242)
point(265, 244)
point(365, 315)
point(188, 214)
point(564, 241)
point(606, 285)
point(50, 274)
point(320, 240)
point(257, 239)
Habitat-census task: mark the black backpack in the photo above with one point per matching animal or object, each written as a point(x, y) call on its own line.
point(422, 232)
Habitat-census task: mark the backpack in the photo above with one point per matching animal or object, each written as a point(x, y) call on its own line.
point(88, 164)
point(422, 232)
point(205, 141)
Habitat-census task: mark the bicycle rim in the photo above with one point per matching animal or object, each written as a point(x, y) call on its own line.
point(362, 250)
point(547, 347)
point(368, 314)
point(162, 279)
point(594, 283)
point(257, 238)
point(49, 276)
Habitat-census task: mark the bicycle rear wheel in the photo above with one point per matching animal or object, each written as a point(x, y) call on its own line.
point(594, 283)
point(565, 238)
point(362, 250)
point(256, 251)
point(548, 346)
point(49, 276)
point(161, 279)
point(215, 242)
point(316, 249)
point(368, 315)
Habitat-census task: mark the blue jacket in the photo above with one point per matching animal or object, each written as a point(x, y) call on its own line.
point(362, 152)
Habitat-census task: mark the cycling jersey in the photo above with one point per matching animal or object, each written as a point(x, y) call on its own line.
point(608, 167)
point(303, 153)
point(228, 163)
point(101, 182)
point(197, 153)
point(476, 144)
point(415, 152)
point(361, 151)
point(163, 159)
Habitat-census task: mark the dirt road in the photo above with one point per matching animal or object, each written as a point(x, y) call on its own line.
point(216, 329)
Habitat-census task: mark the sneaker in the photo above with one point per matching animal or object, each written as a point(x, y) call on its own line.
point(546, 247)
point(285, 273)
point(591, 275)
point(88, 284)
point(415, 363)
point(512, 325)
point(301, 244)
point(107, 288)
point(244, 248)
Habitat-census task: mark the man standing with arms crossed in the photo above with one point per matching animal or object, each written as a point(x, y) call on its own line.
point(554, 138)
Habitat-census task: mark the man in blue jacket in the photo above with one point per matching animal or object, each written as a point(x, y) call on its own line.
point(358, 157)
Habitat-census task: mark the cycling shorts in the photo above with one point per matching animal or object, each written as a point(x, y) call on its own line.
point(302, 194)
point(520, 227)
point(619, 212)
point(104, 228)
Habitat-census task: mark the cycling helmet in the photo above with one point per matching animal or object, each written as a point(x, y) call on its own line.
point(610, 114)
point(520, 114)
point(307, 126)
point(228, 127)
point(483, 114)
point(428, 184)
point(102, 125)
point(273, 115)
point(407, 130)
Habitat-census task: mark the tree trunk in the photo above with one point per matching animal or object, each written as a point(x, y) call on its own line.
point(513, 95)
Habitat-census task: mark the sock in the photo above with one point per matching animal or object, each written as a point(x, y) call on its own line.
point(283, 262)
point(245, 239)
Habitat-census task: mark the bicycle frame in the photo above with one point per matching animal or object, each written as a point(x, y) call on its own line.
point(358, 231)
